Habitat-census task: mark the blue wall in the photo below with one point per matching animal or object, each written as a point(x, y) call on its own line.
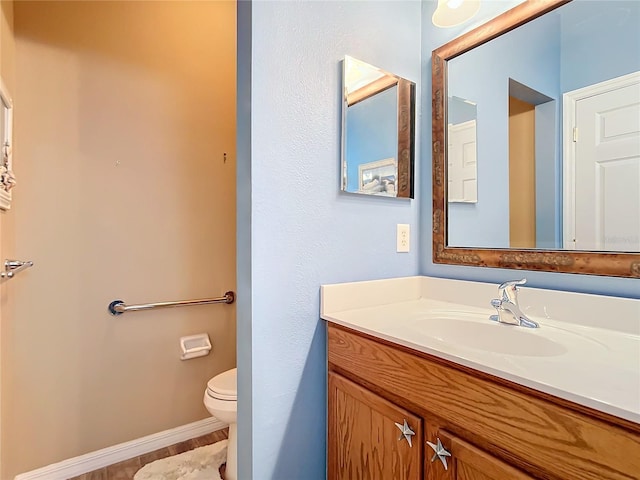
point(244, 337)
point(432, 38)
point(602, 41)
point(303, 231)
point(548, 167)
point(459, 111)
point(371, 133)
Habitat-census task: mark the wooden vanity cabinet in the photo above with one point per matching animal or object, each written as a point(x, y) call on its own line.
point(363, 439)
point(467, 462)
point(493, 429)
point(365, 442)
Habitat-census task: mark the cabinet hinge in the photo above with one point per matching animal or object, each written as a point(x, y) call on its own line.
point(575, 134)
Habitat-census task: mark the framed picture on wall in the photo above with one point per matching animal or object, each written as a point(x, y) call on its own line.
point(7, 178)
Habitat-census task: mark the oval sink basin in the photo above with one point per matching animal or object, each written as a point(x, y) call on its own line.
point(494, 337)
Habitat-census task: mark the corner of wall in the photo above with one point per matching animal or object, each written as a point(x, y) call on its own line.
point(243, 240)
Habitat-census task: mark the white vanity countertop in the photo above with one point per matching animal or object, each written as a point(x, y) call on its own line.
point(587, 349)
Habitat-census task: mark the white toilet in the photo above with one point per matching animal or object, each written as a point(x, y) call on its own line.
point(221, 400)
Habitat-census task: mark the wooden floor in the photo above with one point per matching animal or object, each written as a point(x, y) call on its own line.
point(127, 469)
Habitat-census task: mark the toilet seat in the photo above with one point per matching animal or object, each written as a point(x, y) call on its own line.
point(221, 401)
point(224, 386)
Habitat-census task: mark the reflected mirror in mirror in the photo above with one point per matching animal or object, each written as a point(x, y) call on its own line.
point(7, 177)
point(557, 106)
point(378, 131)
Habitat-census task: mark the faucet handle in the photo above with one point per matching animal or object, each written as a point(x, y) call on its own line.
point(509, 290)
point(496, 303)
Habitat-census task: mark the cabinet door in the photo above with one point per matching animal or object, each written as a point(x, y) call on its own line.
point(364, 441)
point(466, 461)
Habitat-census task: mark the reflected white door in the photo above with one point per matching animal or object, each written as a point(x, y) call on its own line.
point(462, 171)
point(607, 170)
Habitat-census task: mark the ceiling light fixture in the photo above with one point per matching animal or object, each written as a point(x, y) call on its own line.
point(454, 12)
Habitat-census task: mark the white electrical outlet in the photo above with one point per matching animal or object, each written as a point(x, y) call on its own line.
point(402, 237)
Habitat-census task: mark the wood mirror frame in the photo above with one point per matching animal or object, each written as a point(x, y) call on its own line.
point(567, 261)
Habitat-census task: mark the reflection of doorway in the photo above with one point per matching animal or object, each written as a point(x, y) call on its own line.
point(602, 166)
point(533, 206)
point(522, 174)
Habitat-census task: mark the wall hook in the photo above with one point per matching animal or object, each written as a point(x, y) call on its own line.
point(11, 267)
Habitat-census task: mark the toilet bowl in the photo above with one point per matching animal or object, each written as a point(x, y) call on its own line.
point(221, 400)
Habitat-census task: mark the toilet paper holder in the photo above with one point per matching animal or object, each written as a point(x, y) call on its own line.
point(194, 346)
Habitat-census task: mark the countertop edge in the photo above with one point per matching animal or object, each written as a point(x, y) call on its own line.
point(511, 377)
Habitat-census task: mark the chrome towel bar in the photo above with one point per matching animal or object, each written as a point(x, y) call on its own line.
point(118, 307)
point(11, 267)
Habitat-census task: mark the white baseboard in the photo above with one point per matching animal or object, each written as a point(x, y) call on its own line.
point(107, 456)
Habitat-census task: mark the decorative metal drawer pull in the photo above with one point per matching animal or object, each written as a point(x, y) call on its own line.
point(441, 453)
point(406, 432)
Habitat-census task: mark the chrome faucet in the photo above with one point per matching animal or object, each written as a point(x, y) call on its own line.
point(508, 308)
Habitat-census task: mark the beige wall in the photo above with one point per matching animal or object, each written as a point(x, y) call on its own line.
point(7, 72)
point(7, 44)
point(123, 113)
point(522, 174)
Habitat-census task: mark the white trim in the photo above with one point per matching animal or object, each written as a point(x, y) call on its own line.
point(107, 456)
point(569, 100)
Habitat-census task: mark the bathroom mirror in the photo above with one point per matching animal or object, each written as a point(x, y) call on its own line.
point(378, 131)
point(7, 178)
point(557, 183)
